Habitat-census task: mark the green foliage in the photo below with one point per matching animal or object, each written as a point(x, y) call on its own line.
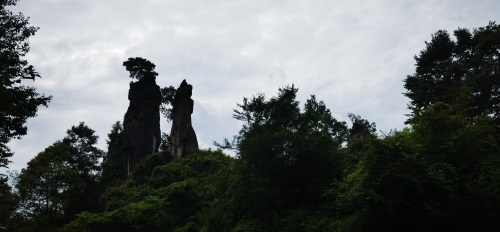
point(461, 152)
point(148, 165)
point(165, 142)
point(19, 102)
point(290, 149)
point(361, 128)
point(288, 156)
point(140, 67)
point(8, 201)
point(427, 178)
point(111, 164)
point(85, 160)
point(384, 191)
point(176, 195)
point(293, 174)
point(61, 181)
point(145, 215)
point(46, 185)
point(451, 71)
point(167, 99)
point(114, 140)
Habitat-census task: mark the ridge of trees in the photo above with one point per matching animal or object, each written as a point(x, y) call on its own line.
point(296, 168)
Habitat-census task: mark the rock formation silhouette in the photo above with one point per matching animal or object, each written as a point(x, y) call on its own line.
point(182, 136)
point(141, 125)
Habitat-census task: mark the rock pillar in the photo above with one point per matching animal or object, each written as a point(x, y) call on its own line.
point(182, 136)
point(141, 125)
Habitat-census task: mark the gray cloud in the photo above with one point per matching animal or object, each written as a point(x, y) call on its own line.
point(353, 55)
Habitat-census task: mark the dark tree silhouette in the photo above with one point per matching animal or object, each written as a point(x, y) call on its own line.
point(460, 71)
point(140, 67)
point(18, 102)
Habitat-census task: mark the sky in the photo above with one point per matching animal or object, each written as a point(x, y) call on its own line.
point(353, 55)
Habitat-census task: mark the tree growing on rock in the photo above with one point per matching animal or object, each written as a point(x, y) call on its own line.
point(139, 68)
point(141, 125)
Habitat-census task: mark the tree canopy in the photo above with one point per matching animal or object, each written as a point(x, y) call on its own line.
point(464, 70)
point(140, 67)
point(19, 102)
point(62, 180)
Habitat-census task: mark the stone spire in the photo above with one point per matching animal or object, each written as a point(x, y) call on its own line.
point(141, 125)
point(182, 136)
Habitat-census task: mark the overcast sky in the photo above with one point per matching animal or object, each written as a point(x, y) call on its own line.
point(353, 55)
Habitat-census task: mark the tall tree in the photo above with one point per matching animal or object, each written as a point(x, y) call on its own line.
point(8, 201)
point(19, 102)
point(85, 160)
point(466, 69)
point(113, 158)
point(361, 128)
point(62, 180)
point(288, 155)
point(83, 141)
point(46, 184)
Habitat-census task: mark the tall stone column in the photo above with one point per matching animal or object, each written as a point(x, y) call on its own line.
point(182, 136)
point(141, 125)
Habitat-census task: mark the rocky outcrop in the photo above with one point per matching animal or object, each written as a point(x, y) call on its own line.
point(182, 136)
point(141, 125)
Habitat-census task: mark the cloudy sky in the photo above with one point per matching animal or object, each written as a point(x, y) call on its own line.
point(352, 54)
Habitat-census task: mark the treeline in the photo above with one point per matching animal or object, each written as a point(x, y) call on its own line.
point(296, 168)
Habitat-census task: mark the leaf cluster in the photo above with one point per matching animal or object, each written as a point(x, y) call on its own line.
point(457, 71)
point(19, 102)
point(140, 67)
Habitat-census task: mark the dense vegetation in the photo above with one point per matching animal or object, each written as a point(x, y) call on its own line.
point(18, 102)
point(296, 168)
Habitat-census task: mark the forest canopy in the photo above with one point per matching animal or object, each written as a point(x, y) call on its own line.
point(296, 167)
